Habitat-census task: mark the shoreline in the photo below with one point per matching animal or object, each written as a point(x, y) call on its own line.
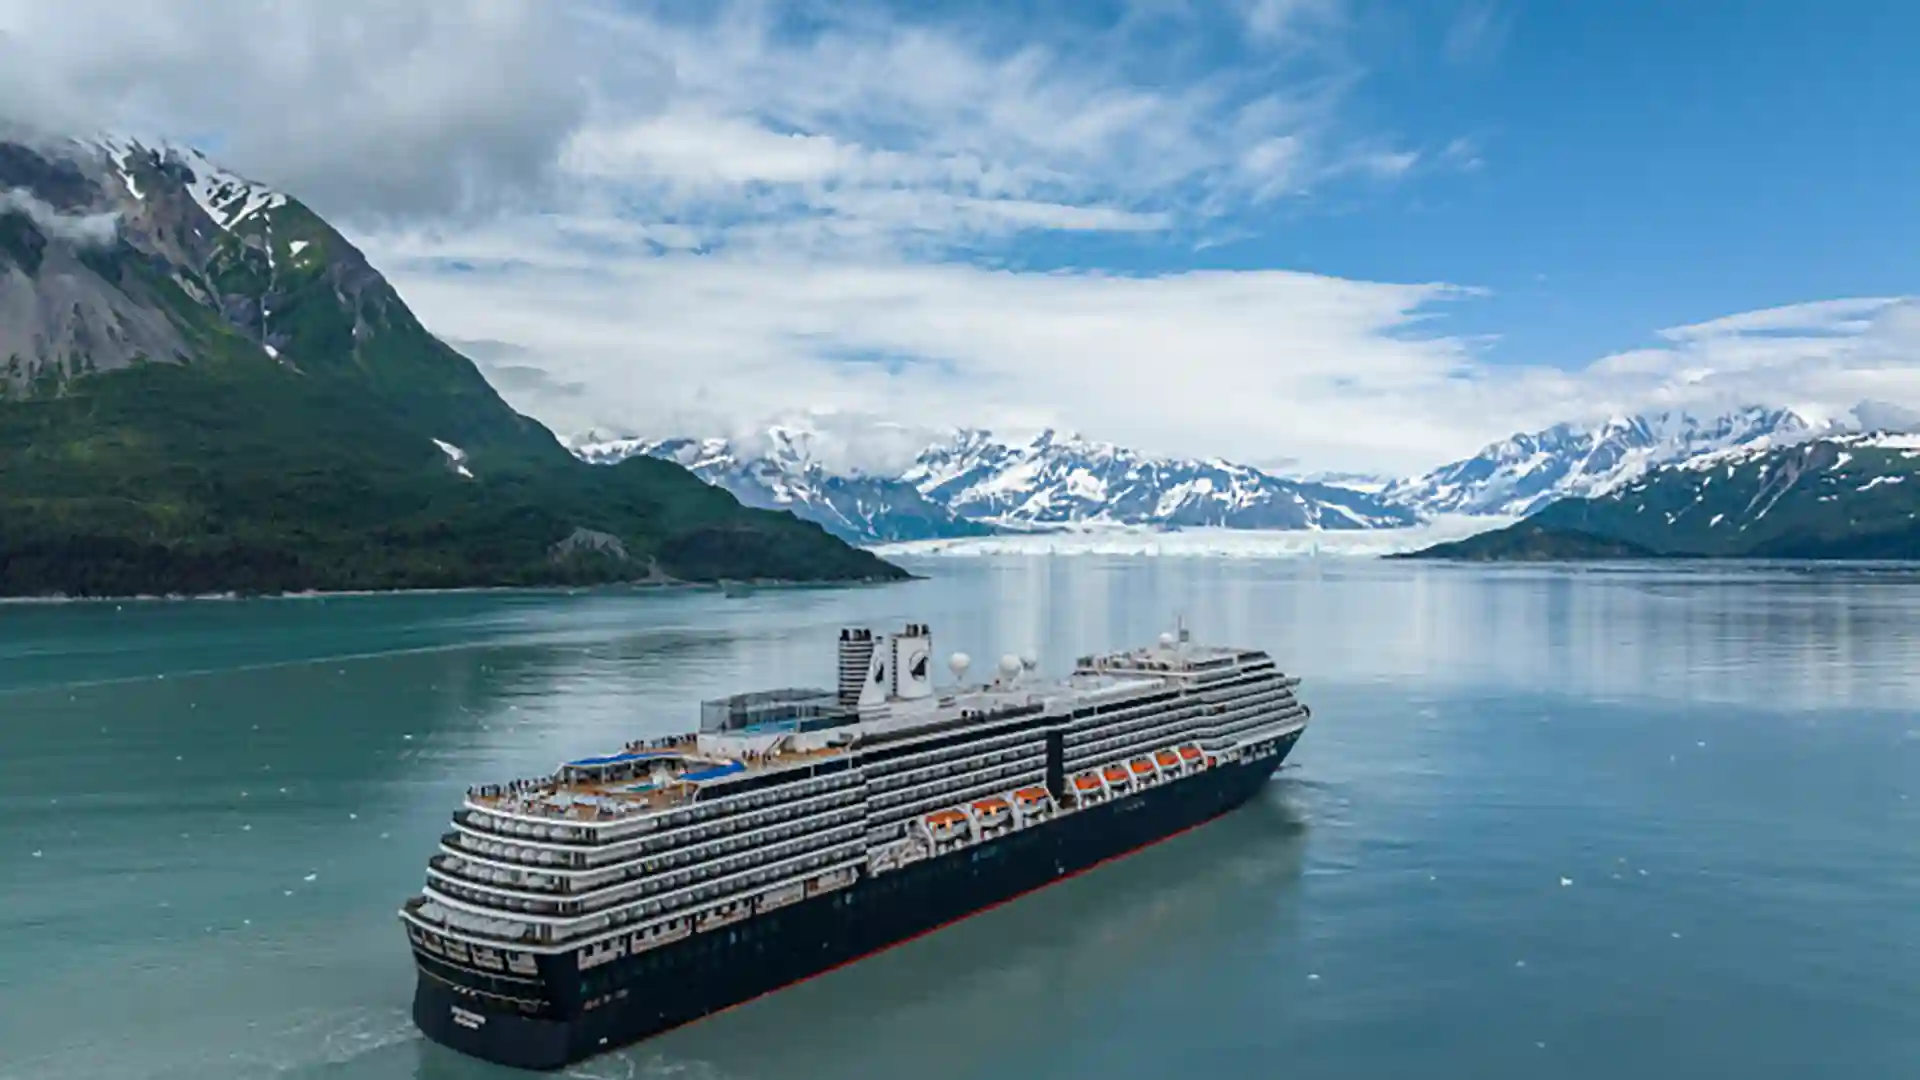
point(771, 584)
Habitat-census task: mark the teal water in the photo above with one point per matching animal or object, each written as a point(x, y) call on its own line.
point(1547, 823)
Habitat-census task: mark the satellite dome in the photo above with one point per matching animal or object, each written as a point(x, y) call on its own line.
point(1028, 660)
point(1009, 665)
point(1166, 640)
point(958, 663)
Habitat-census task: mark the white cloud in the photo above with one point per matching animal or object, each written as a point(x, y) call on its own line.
point(1253, 365)
point(83, 229)
point(801, 200)
point(1825, 354)
point(360, 106)
point(696, 218)
point(1816, 319)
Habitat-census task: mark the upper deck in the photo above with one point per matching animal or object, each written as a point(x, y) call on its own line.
point(643, 778)
point(885, 697)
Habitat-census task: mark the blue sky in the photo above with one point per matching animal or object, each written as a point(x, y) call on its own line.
point(1637, 165)
point(1325, 233)
point(1644, 165)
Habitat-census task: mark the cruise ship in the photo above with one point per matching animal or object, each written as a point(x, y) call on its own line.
point(798, 830)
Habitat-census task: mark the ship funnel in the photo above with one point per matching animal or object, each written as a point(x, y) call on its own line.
point(856, 659)
point(912, 659)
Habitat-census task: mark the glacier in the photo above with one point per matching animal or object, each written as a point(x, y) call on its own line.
point(1210, 543)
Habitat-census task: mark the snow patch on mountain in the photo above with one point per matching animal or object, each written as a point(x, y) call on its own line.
point(456, 457)
point(227, 197)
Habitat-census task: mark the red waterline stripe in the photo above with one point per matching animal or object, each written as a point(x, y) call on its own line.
point(942, 926)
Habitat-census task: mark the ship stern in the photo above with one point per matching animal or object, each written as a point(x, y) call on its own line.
point(459, 1023)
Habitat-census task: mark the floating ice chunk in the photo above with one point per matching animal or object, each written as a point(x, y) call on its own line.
point(311, 877)
point(36, 853)
point(1313, 976)
point(1565, 881)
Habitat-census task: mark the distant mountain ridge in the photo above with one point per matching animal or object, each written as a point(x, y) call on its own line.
point(973, 482)
point(856, 507)
point(1854, 496)
point(1525, 472)
point(1055, 479)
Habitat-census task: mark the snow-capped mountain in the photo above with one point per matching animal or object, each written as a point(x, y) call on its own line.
point(974, 483)
point(787, 475)
point(1844, 496)
point(1065, 480)
point(1521, 474)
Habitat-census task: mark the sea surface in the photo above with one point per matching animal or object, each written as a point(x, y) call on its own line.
point(1608, 823)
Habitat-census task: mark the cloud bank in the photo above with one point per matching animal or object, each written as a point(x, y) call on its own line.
point(87, 230)
point(676, 218)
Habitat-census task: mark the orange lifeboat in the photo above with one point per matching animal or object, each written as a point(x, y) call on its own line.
point(991, 806)
point(1142, 766)
point(1087, 783)
point(1035, 794)
point(1167, 759)
point(1191, 753)
point(946, 818)
point(1114, 774)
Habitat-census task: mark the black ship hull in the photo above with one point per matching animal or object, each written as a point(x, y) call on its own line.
point(637, 996)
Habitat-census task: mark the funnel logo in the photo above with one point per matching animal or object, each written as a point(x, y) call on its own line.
point(919, 669)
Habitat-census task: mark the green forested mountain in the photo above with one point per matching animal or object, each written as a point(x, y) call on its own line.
point(1841, 497)
point(204, 387)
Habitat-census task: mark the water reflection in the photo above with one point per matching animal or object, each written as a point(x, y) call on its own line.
point(1785, 637)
